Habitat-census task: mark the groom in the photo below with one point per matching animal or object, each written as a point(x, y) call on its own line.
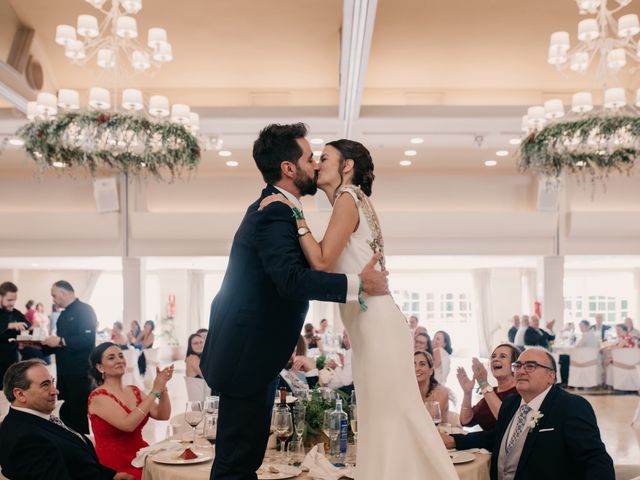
point(257, 315)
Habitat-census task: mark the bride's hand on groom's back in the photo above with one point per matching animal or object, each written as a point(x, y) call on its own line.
point(374, 282)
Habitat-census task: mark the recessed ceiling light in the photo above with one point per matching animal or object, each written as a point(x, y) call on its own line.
point(16, 141)
point(417, 140)
point(317, 141)
point(59, 164)
point(224, 153)
point(515, 141)
point(143, 165)
point(502, 153)
point(580, 163)
point(317, 153)
point(490, 163)
point(405, 163)
point(232, 163)
point(410, 153)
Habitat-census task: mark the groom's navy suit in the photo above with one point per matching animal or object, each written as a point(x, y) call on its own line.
point(255, 321)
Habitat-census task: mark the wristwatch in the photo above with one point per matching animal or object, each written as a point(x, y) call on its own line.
point(486, 389)
point(303, 231)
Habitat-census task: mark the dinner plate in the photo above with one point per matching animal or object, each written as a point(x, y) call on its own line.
point(283, 471)
point(171, 458)
point(461, 457)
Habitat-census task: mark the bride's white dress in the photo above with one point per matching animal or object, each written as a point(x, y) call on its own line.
point(397, 438)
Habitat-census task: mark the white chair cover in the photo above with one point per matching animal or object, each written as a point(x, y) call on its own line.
point(151, 356)
point(132, 374)
point(4, 406)
point(179, 425)
point(197, 389)
point(625, 373)
point(556, 357)
point(584, 367)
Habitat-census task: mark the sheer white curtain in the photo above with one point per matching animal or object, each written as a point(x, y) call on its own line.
point(483, 310)
point(529, 288)
point(86, 291)
point(195, 300)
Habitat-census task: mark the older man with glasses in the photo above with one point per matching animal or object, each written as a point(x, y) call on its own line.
point(543, 432)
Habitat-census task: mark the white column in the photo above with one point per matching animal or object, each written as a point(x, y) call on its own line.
point(635, 314)
point(133, 273)
point(553, 297)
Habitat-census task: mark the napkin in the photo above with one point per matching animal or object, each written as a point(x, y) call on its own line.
point(321, 469)
point(162, 446)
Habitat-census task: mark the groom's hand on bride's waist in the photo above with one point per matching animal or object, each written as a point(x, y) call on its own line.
point(374, 282)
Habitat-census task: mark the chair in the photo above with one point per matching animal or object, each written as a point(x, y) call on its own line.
point(179, 425)
point(197, 389)
point(151, 357)
point(132, 374)
point(583, 369)
point(625, 374)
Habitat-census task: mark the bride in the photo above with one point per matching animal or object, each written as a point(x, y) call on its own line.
point(397, 437)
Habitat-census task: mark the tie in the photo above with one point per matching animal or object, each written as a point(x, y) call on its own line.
point(60, 423)
point(520, 421)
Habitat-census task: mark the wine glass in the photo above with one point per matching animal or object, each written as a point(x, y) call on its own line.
point(434, 410)
point(210, 429)
point(354, 422)
point(193, 415)
point(284, 429)
point(299, 412)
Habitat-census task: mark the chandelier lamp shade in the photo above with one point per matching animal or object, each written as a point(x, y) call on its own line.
point(583, 138)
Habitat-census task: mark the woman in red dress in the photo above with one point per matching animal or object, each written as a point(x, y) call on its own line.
point(118, 412)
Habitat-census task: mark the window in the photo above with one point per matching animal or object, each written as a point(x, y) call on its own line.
point(587, 294)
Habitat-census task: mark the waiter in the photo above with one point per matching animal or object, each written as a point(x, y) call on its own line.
point(12, 322)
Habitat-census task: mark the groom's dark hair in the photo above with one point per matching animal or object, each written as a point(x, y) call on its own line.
point(277, 144)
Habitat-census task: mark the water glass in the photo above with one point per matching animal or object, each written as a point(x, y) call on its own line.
point(299, 413)
point(434, 410)
point(296, 453)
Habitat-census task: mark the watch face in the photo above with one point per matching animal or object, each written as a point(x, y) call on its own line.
point(302, 231)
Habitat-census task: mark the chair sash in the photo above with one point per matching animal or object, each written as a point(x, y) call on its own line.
point(590, 363)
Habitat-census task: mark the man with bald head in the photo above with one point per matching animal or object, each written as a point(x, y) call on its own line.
point(543, 432)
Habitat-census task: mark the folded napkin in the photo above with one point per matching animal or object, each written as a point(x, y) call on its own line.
point(322, 469)
point(163, 446)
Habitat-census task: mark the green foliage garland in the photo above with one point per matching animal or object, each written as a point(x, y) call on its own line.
point(564, 146)
point(148, 147)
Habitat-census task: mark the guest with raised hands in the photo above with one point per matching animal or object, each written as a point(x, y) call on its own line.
point(485, 412)
point(118, 412)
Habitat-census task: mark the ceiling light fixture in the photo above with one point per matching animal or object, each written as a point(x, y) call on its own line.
point(515, 141)
point(490, 163)
point(224, 153)
point(316, 141)
point(405, 163)
point(410, 153)
point(502, 153)
point(417, 141)
point(232, 163)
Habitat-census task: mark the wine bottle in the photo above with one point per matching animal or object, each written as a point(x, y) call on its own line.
point(344, 428)
point(283, 400)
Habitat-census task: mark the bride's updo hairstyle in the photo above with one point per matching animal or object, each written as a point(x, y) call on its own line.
point(363, 165)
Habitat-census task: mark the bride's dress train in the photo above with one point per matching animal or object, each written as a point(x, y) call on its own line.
point(397, 438)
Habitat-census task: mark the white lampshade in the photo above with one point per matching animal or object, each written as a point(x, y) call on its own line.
point(163, 53)
point(106, 58)
point(628, 25)
point(140, 60)
point(99, 98)
point(75, 50)
point(194, 122)
point(553, 109)
point(557, 55)
point(536, 116)
point(68, 99)
point(132, 6)
point(588, 29)
point(579, 62)
point(132, 99)
point(65, 34)
point(180, 113)
point(126, 27)
point(588, 5)
point(560, 39)
point(614, 98)
point(524, 126)
point(87, 26)
point(158, 106)
point(156, 37)
point(624, 3)
point(616, 58)
point(32, 110)
point(47, 103)
point(96, 3)
point(582, 102)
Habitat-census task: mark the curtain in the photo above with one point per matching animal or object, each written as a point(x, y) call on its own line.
point(195, 301)
point(483, 310)
point(89, 286)
point(530, 290)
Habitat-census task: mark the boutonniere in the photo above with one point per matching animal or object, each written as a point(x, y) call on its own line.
point(533, 420)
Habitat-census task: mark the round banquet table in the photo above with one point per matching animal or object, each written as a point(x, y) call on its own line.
point(476, 470)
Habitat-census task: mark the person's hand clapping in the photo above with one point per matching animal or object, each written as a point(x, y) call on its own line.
point(479, 370)
point(303, 364)
point(466, 383)
point(551, 324)
point(162, 378)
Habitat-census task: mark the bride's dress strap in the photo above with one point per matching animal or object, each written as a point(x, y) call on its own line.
point(354, 191)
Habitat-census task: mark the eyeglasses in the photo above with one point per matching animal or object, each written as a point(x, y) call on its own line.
point(528, 366)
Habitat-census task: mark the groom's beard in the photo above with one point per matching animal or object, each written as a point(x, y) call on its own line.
point(305, 184)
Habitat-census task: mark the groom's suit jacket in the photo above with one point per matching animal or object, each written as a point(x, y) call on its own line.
point(564, 445)
point(258, 314)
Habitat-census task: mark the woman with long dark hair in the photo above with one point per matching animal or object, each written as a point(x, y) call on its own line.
point(195, 344)
point(430, 389)
point(442, 355)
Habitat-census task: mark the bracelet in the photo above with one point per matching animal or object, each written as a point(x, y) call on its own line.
point(482, 384)
point(466, 408)
point(363, 306)
point(156, 394)
point(297, 214)
point(141, 410)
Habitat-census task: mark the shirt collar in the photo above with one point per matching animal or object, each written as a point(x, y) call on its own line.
point(30, 411)
point(290, 197)
point(536, 402)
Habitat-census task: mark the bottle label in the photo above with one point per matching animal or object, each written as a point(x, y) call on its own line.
point(343, 435)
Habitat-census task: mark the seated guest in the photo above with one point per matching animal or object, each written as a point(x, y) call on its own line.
point(36, 445)
point(323, 332)
point(293, 377)
point(413, 323)
point(518, 341)
point(634, 332)
point(118, 412)
point(341, 373)
point(542, 432)
point(146, 339)
point(600, 329)
point(203, 333)
point(310, 337)
point(441, 356)
point(588, 338)
point(624, 340)
point(192, 360)
point(535, 336)
point(117, 335)
point(485, 412)
point(422, 343)
point(430, 389)
point(511, 334)
point(134, 334)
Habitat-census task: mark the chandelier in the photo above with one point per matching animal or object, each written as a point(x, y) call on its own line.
point(587, 140)
point(113, 131)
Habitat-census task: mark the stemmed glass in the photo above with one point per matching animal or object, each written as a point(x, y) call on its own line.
point(284, 429)
point(193, 416)
point(434, 410)
point(211, 418)
point(299, 413)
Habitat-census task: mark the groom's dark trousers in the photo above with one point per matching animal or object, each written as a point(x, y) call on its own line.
point(255, 322)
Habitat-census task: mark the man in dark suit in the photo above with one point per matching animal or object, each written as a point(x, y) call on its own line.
point(543, 432)
point(600, 328)
point(76, 337)
point(511, 334)
point(534, 336)
point(257, 315)
point(37, 445)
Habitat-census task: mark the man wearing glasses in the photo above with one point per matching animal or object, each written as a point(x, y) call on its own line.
point(543, 432)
